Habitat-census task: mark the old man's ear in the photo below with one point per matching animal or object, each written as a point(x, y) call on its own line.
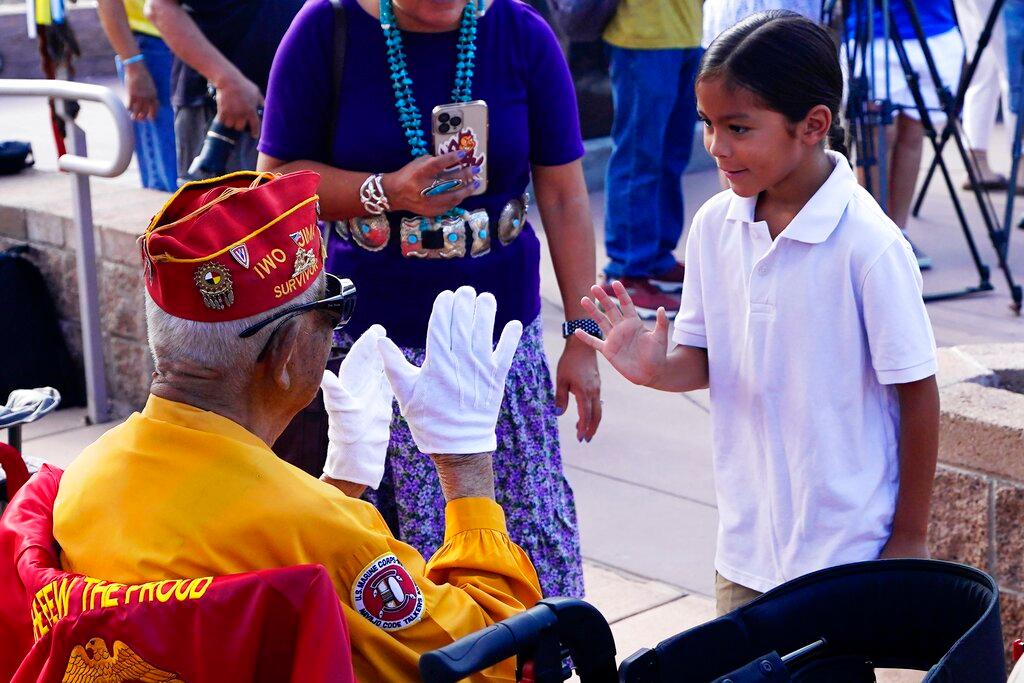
point(283, 347)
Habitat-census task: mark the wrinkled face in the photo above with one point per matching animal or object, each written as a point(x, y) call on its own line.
point(429, 15)
point(755, 147)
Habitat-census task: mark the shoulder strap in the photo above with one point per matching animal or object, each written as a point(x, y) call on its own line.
point(340, 40)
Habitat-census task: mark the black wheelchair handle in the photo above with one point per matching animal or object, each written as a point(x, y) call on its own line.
point(487, 647)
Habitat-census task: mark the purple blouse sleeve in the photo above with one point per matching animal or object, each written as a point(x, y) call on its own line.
point(296, 114)
point(554, 118)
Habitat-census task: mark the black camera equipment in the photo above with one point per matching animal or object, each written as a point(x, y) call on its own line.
point(869, 110)
point(220, 140)
point(212, 158)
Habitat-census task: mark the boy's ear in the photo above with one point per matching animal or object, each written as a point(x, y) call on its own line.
point(817, 124)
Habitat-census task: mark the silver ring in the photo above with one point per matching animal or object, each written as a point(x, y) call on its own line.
point(454, 184)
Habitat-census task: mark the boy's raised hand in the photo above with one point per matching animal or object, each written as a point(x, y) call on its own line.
point(639, 354)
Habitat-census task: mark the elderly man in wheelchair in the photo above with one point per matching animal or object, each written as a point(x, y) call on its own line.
point(128, 541)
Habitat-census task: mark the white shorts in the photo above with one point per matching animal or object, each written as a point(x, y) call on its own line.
point(948, 52)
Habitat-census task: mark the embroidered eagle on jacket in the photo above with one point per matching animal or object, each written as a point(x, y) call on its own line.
point(93, 663)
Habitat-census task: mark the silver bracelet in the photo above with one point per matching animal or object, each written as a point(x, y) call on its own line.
point(371, 194)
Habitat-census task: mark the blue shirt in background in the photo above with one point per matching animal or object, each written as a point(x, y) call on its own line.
point(936, 17)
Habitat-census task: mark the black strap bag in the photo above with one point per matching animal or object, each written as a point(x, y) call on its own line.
point(32, 348)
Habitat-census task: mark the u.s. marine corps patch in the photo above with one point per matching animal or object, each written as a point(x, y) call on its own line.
point(386, 595)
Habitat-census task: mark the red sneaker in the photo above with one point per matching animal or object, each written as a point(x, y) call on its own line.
point(671, 281)
point(646, 297)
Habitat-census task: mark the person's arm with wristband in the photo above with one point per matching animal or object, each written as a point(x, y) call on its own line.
point(565, 212)
point(555, 154)
point(138, 83)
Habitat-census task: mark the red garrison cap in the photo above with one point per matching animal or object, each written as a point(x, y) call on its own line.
point(234, 246)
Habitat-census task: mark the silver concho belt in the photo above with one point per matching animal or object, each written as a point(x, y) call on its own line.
point(443, 237)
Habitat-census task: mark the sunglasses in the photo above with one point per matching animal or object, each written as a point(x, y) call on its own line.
point(339, 300)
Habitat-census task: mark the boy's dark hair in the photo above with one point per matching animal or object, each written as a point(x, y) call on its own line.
point(789, 62)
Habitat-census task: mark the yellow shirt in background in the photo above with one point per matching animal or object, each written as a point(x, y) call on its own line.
point(137, 20)
point(179, 492)
point(656, 24)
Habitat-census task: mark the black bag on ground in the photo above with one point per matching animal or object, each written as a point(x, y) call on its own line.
point(32, 348)
point(15, 156)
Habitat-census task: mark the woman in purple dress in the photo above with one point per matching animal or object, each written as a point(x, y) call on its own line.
point(372, 157)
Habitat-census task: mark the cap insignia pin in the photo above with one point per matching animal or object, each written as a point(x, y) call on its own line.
point(296, 237)
point(304, 260)
point(214, 283)
point(241, 254)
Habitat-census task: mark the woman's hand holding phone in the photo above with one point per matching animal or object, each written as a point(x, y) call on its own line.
point(405, 187)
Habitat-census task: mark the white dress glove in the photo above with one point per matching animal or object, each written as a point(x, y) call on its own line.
point(452, 402)
point(358, 401)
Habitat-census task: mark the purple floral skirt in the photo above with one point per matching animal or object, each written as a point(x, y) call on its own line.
point(529, 483)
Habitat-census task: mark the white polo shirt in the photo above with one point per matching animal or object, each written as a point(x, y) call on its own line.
point(805, 335)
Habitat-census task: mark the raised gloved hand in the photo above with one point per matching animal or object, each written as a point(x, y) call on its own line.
point(358, 401)
point(452, 401)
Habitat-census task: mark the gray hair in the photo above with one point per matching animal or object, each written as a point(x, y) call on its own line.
point(216, 346)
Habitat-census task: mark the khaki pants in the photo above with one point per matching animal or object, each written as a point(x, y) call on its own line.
point(730, 595)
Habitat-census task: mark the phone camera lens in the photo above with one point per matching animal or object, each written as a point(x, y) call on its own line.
point(444, 128)
point(443, 118)
point(456, 121)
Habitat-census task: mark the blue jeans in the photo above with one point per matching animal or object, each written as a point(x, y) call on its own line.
point(1013, 21)
point(655, 112)
point(154, 140)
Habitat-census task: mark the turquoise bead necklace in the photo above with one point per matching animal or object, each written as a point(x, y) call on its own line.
point(401, 82)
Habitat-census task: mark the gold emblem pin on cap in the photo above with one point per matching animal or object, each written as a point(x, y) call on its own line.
point(214, 283)
point(304, 260)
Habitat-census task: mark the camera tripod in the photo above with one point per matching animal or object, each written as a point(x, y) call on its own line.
point(868, 116)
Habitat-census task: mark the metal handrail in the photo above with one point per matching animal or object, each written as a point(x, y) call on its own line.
point(69, 90)
point(81, 167)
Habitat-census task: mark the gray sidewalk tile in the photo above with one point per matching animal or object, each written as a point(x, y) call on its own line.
point(651, 627)
point(619, 596)
point(646, 532)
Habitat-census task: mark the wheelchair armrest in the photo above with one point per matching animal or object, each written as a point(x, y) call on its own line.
point(553, 625)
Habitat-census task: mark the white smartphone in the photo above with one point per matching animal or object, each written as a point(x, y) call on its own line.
point(463, 126)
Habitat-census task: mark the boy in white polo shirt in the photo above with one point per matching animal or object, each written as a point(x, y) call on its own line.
point(802, 311)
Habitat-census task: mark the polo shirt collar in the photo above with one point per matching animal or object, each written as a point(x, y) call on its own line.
point(741, 209)
point(820, 215)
